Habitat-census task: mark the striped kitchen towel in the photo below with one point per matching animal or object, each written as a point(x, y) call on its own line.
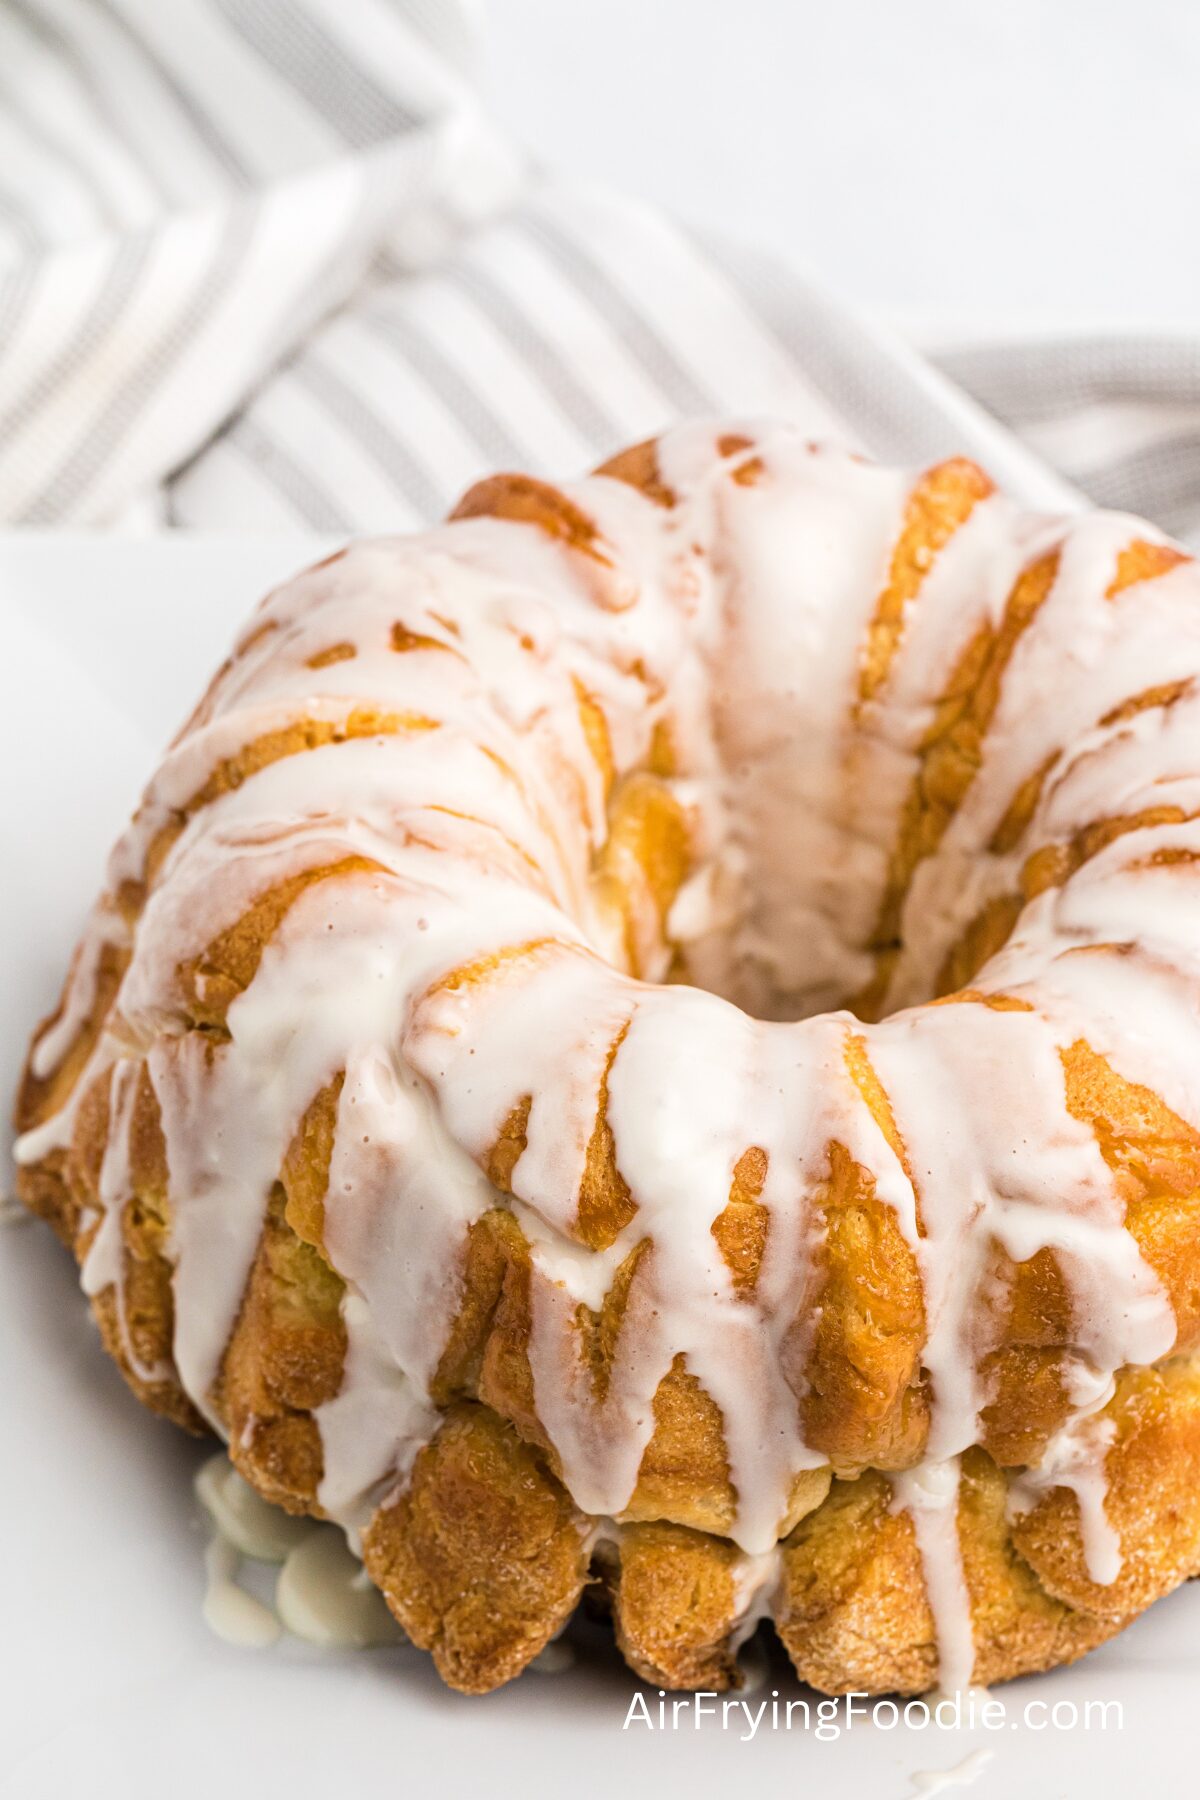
point(267, 264)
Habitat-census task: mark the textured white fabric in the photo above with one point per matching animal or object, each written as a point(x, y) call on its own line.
point(185, 191)
point(264, 263)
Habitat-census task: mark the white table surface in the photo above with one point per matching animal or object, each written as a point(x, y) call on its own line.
point(940, 159)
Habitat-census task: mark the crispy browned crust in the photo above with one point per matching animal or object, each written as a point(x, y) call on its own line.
point(482, 1554)
point(853, 1611)
point(675, 1606)
point(482, 1557)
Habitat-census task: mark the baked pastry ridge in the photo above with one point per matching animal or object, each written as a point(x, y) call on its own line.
point(648, 1036)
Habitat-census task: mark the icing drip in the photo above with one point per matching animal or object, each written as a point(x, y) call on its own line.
point(554, 1659)
point(963, 1774)
point(463, 716)
point(229, 1611)
point(104, 1264)
point(975, 1189)
point(1074, 1459)
point(250, 1524)
point(373, 1428)
point(324, 1596)
point(929, 1494)
point(756, 1581)
point(106, 930)
point(322, 1593)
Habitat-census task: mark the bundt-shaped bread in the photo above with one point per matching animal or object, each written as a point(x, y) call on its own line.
point(448, 1104)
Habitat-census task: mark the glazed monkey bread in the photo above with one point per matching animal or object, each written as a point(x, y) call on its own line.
point(650, 1036)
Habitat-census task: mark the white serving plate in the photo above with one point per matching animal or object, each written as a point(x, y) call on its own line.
point(110, 1684)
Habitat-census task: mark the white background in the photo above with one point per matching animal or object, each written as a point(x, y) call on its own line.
point(971, 161)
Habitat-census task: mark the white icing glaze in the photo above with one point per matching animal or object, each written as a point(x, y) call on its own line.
point(755, 1585)
point(929, 1494)
point(373, 1428)
point(1074, 1459)
point(555, 1658)
point(963, 1774)
point(242, 1517)
point(736, 620)
point(229, 1611)
point(324, 1596)
point(106, 928)
point(322, 1592)
point(104, 1264)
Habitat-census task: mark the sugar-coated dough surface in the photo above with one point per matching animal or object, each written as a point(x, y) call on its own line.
point(501, 1089)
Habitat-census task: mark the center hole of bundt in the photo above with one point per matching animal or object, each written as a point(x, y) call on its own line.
point(828, 887)
point(789, 923)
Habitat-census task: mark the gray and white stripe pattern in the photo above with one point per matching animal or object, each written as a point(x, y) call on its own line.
point(1119, 414)
point(265, 264)
point(573, 325)
point(185, 192)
